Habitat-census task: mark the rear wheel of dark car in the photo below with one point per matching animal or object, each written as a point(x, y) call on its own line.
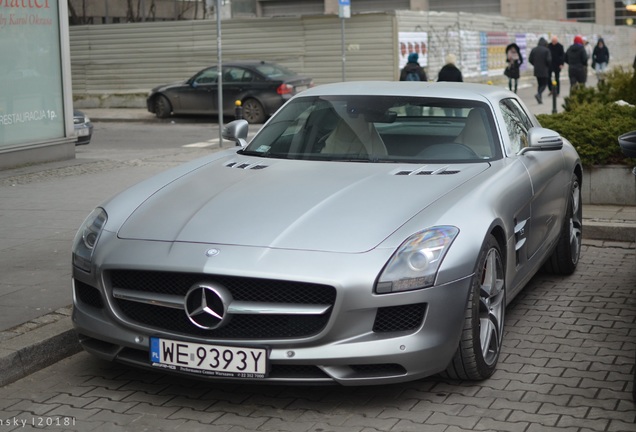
point(163, 109)
point(253, 111)
point(482, 334)
point(566, 254)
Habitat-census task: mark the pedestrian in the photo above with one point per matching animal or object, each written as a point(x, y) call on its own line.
point(514, 60)
point(412, 71)
point(541, 59)
point(450, 72)
point(576, 58)
point(600, 59)
point(588, 51)
point(558, 59)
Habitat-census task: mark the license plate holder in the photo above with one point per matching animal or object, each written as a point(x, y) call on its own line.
point(209, 359)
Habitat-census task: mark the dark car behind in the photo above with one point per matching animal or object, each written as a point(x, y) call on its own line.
point(262, 88)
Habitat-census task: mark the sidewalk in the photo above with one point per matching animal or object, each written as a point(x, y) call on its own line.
point(43, 205)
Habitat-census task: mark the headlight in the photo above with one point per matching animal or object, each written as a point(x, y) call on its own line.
point(87, 237)
point(414, 265)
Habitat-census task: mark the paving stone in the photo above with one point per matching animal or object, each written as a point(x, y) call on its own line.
point(278, 425)
point(621, 426)
point(199, 416)
point(410, 426)
point(111, 405)
point(250, 423)
point(487, 424)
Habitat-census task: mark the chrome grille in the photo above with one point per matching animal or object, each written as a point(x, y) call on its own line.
point(249, 326)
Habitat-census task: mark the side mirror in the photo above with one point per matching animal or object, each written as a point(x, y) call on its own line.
point(542, 139)
point(628, 143)
point(236, 131)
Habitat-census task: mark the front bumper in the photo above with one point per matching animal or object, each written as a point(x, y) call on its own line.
point(349, 349)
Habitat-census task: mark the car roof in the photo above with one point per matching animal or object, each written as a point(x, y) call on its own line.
point(247, 63)
point(444, 90)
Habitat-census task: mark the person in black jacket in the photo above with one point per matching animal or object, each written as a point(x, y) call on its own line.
point(412, 71)
point(600, 59)
point(558, 59)
point(450, 72)
point(541, 59)
point(576, 58)
point(514, 60)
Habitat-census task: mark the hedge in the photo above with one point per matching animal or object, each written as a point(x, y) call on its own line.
point(592, 120)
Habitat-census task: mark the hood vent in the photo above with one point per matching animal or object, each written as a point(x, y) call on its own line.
point(245, 165)
point(422, 171)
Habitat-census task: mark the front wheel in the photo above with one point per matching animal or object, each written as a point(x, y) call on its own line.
point(253, 111)
point(565, 257)
point(482, 334)
point(163, 109)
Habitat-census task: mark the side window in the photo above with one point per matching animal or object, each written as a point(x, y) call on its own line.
point(517, 125)
point(208, 76)
point(235, 74)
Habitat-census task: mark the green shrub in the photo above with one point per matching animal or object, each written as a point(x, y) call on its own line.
point(592, 122)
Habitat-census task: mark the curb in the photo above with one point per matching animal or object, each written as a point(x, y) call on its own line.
point(36, 345)
point(624, 231)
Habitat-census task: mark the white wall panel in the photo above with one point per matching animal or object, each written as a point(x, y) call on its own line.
point(132, 58)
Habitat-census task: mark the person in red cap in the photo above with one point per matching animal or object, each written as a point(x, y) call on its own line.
point(576, 58)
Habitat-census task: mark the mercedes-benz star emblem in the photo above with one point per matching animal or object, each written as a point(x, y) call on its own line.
point(206, 306)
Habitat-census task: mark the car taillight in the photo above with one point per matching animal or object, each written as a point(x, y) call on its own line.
point(285, 89)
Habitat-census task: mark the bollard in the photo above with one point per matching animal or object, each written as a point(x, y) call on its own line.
point(554, 96)
point(238, 110)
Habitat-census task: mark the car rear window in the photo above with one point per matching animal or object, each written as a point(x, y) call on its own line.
point(274, 71)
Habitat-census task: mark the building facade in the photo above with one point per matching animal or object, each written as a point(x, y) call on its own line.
point(603, 12)
point(36, 106)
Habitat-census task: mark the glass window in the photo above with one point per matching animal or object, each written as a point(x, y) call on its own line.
point(31, 92)
point(517, 125)
point(379, 129)
point(208, 76)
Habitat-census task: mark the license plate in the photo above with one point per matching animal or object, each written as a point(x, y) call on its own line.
point(215, 360)
point(301, 88)
point(82, 132)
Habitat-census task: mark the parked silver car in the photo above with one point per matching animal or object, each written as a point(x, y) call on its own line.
point(371, 232)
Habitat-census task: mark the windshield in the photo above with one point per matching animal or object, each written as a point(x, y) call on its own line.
point(378, 129)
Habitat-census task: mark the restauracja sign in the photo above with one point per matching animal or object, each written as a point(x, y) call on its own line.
point(25, 4)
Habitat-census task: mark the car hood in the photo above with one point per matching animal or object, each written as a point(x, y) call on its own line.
point(347, 207)
point(169, 86)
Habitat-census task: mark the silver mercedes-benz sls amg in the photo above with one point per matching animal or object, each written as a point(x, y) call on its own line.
point(369, 233)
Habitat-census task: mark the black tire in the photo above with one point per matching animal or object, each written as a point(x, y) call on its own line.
point(565, 256)
point(163, 109)
point(253, 111)
point(482, 335)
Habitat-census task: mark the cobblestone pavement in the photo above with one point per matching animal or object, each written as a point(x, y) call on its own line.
point(567, 365)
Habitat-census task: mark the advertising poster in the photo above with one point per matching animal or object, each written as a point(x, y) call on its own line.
point(31, 91)
point(471, 53)
point(497, 42)
point(416, 42)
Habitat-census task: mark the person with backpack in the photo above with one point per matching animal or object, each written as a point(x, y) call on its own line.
point(412, 71)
